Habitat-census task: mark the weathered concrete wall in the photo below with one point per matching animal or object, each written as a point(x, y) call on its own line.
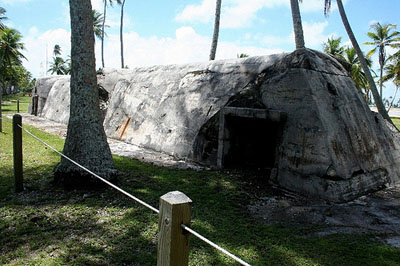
point(330, 143)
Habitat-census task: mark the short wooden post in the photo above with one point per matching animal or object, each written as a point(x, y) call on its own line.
point(173, 241)
point(17, 144)
point(18, 106)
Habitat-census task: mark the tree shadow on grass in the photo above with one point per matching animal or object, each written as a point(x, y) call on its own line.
point(47, 224)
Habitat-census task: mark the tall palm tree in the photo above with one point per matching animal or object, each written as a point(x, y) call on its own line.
point(106, 2)
point(393, 73)
point(10, 47)
point(2, 18)
point(86, 140)
point(98, 20)
point(382, 36)
point(58, 66)
point(57, 50)
point(297, 25)
point(333, 47)
point(121, 34)
point(216, 30)
point(356, 71)
point(374, 90)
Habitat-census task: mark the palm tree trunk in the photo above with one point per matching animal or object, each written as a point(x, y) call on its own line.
point(394, 97)
point(102, 33)
point(86, 141)
point(374, 90)
point(297, 25)
point(216, 30)
point(122, 34)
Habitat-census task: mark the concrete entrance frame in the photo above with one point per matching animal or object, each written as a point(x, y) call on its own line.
point(224, 134)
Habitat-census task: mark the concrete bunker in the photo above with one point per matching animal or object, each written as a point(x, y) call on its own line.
point(299, 116)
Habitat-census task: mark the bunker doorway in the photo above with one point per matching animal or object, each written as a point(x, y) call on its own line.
point(249, 138)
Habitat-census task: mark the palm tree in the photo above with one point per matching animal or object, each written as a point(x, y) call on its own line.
point(356, 71)
point(58, 66)
point(103, 27)
point(333, 47)
point(216, 30)
point(10, 47)
point(86, 140)
point(382, 36)
point(121, 34)
point(374, 90)
point(393, 73)
point(2, 17)
point(297, 25)
point(57, 50)
point(98, 20)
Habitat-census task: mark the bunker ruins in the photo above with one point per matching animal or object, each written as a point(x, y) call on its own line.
point(296, 116)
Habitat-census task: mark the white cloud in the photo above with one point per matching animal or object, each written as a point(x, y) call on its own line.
point(240, 13)
point(39, 47)
point(186, 47)
point(314, 34)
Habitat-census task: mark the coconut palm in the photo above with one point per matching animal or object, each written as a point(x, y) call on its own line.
point(374, 90)
point(98, 20)
point(333, 47)
point(216, 30)
point(57, 50)
point(382, 36)
point(121, 34)
point(356, 71)
point(10, 47)
point(2, 18)
point(297, 25)
point(86, 140)
point(58, 66)
point(106, 2)
point(393, 73)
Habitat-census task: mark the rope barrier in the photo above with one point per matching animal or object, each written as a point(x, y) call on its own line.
point(95, 175)
point(214, 245)
point(188, 229)
point(5, 120)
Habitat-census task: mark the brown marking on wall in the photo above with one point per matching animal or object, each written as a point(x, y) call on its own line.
point(124, 128)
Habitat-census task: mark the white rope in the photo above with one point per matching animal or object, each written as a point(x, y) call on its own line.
point(90, 172)
point(214, 245)
point(5, 120)
point(140, 201)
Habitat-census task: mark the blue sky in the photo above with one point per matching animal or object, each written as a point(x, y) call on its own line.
point(178, 31)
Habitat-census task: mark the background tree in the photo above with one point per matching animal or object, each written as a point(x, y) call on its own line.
point(333, 47)
point(86, 140)
point(393, 73)
point(58, 66)
point(2, 18)
point(57, 50)
point(297, 24)
point(121, 34)
point(374, 90)
point(98, 20)
point(106, 2)
point(382, 36)
point(214, 42)
point(10, 54)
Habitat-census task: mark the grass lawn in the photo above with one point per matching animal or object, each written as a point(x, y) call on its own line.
point(46, 225)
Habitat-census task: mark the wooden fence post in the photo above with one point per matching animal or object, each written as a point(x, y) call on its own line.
point(17, 145)
point(18, 106)
point(173, 241)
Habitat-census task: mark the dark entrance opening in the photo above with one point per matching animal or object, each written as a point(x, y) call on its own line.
point(252, 143)
point(249, 138)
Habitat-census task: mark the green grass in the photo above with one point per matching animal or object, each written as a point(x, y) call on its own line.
point(396, 121)
point(46, 225)
point(9, 103)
